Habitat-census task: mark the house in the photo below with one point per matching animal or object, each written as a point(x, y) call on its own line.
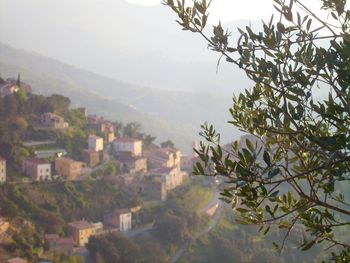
point(60, 245)
point(10, 86)
point(98, 228)
point(8, 89)
point(119, 218)
point(81, 232)
point(154, 188)
point(172, 177)
point(2, 170)
point(133, 147)
point(165, 157)
point(43, 154)
point(91, 157)
point(4, 226)
point(51, 120)
point(16, 260)
point(83, 111)
point(37, 169)
point(131, 164)
point(100, 125)
point(110, 137)
point(127, 179)
point(68, 168)
point(95, 143)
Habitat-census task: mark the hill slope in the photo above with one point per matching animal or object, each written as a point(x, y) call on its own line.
point(166, 114)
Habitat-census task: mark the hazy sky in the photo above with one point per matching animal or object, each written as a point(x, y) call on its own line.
point(229, 10)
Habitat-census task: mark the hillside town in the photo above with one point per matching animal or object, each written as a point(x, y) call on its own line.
point(154, 171)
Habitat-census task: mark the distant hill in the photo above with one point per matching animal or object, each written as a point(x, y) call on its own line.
point(120, 40)
point(165, 114)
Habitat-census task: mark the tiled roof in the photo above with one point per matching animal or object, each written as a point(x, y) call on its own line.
point(162, 170)
point(126, 140)
point(16, 260)
point(65, 241)
point(65, 159)
point(51, 237)
point(120, 211)
point(36, 161)
point(81, 224)
point(90, 151)
point(94, 137)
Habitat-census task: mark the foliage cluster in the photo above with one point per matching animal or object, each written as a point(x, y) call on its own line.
point(297, 110)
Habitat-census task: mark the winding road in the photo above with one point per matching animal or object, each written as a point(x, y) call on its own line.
point(213, 222)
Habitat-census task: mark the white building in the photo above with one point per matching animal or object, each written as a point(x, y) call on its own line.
point(129, 146)
point(95, 143)
point(2, 170)
point(119, 218)
point(172, 177)
point(37, 169)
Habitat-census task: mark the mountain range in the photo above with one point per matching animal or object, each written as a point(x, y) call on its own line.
point(122, 61)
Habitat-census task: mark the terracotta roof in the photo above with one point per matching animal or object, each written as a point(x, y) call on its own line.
point(67, 160)
point(51, 237)
point(52, 115)
point(120, 211)
point(164, 152)
point(16, 260)
point(81, 224)
point(65, 241)
point(36, 161)
point(89, 151)
point(162, 170)
point(94, 137)
point(126, 140)
point(129, 159)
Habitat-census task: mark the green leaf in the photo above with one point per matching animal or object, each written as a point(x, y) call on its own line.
point(267, 158)
point(249, 145)
point(273, 173)
point(308, 245)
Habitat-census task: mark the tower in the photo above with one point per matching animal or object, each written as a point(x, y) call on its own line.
point(18, 82)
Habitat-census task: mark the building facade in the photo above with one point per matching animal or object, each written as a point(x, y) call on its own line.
point(68, 168)
point(165, 157)
point(53, 121)
point(131, 164)
point(91, 157)
point(37, 169)
point(119, 218)
point(172, 177)
point(154, 189)
point(2, 170)
point(60, 245)
point(95, 143)
point(133, 147)
point(4, 226)
point(81, 232)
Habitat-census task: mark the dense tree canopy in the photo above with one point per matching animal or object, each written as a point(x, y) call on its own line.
point(295, 168)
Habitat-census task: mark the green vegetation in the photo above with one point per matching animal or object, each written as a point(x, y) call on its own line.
point(230, 242)
point(48, 207)
point(297, 114)
point(166, 114)
point(117, 248)
point(20, 120)
point(176, 222)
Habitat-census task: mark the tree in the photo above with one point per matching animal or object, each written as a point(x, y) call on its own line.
point(296, 169)
point(172, 229)
point(131, 130)
point(167, 144)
